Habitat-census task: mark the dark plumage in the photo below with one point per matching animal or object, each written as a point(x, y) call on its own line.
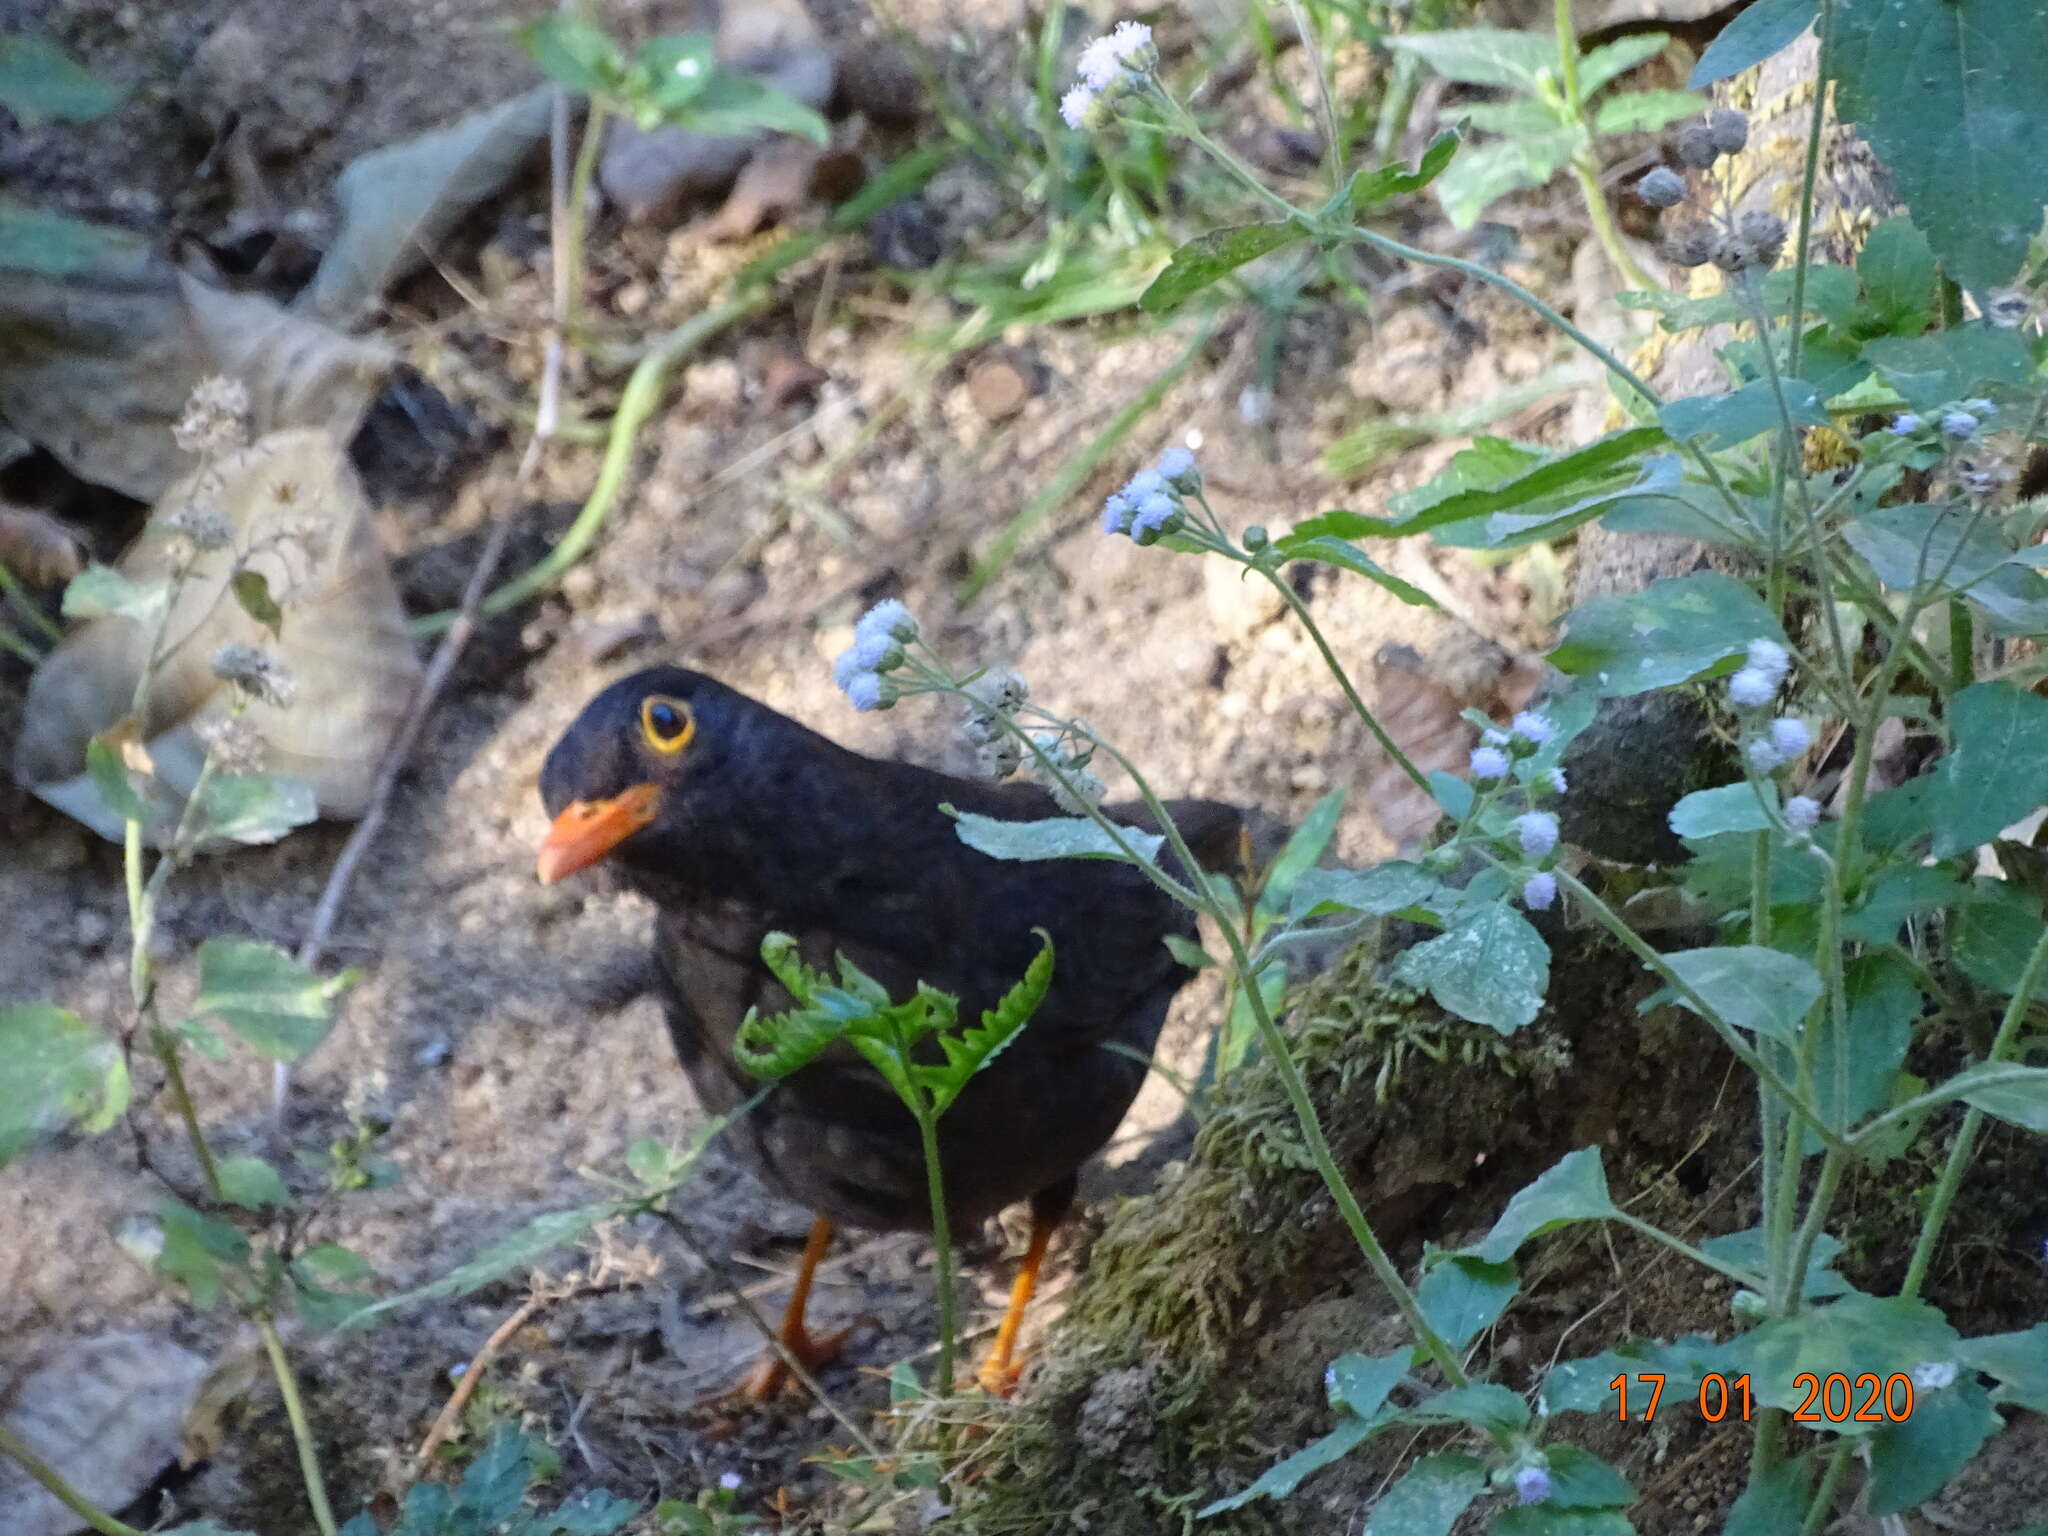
point(755, 823)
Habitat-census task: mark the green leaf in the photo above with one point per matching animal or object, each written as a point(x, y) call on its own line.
point(1774, 1503)
point(252, 591)
point(1209, 257)
point(60, 1070)
point(1582, 1386)
point(1750, 1251)
point(573, 51)
point(521, 1248)
point(100, 591)
point(1550, 1519)
point(250, 1182)
point(1494, 476)
point(1897, 269)
point(1302, 850)
point(1937, 549)
point(332, 1264)
point(1430, 1497)
point(1884, 1001)
point(1490, 966)
point(252, 808)
point(1359, 1384)
point(1484, 55)
point(1483, 1404)
point(1753, 36)
point(1059, 837)
point(276, 1005)
point(1369, 189)
point(1385, 888)
point(33, 240)
point(973, 1049)
point(1929, 371)
point(2013, 1093)
point(1644, 111)
point(1854, 1336)
point(1482, 176)
point(1710, 812)
point(1463, 1296)
point(2013, 600)
point(732, 104)
point(1764, 991)
point(1911, 1460)
point(671, 72)
point(1612, 60)
point(39, 80)
point(1897, 893)
point(214, 1528)
point(1189, 953)
point(1948, 93)
point(1581, 1480)
point(1671, 632)
point(197, 1251)
point(1830, 291)
point(1727, 421)
point(1992, 934)
point(2018, 1361)
point(1553, 517)
point(1516, 117)
point(1283, 1477)
point(1997, 771)
point(1351, 558)
point(1574, 1189)
point(110, 778)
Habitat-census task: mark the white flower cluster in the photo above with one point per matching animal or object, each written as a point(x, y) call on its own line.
point(1498, 749)
point(877, 649)
point(256, 673)
point(1111, 64)
point(1758, 682)
point(215, 419)
point(1148, 506)
point(1064, 768)
point(1001, 691)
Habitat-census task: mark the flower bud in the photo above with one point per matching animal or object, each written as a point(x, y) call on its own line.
point(1690, 245)
point(1693, 146)
point(1728, 130)
point(1256, 538)
point(1661, 187)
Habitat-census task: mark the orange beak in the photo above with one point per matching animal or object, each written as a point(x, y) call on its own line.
point(587, 830)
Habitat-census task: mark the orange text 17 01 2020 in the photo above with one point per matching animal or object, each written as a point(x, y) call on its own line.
point(1836, 1398)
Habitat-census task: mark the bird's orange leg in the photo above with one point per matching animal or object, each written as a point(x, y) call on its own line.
point(998, 1375)
point(772, 1375)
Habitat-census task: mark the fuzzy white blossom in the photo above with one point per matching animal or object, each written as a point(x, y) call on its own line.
point(729, 1481)
point(1080, 108)
point(1534, 728)
point(1489, 763)
point(1770, 658)
point(215, 419)
point(1537, 831)
point(869, 690)
point(1802, 813)
point(1116, 513)
point(1958, 424)
point(1763, 757)
point(1539, 892)
point(1113, 58)
point(1557, 780)
point(888, 617)
point(1532, 1485)
point(1790, 737)
point(1752, 688)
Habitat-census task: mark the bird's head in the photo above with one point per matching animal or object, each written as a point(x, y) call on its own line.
point(647, 756)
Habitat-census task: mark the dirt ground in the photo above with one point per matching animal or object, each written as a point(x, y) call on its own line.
point(503, 1027)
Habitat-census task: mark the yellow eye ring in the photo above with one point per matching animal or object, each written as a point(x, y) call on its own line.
point(667, 724)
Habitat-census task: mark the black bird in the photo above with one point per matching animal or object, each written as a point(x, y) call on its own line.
point(738, 821)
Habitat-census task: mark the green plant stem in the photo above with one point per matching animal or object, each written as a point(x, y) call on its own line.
point(1824, 1496)
point(1585, 169)
point(1802, 246)
point(1965, 1146)
point(1731, 1037)
point(569, 258)
point(1311, 43)
point(942, 1242)
point(1379, 732)
point(1770, 1112)
point(636, 403)
point(181, 1095)
point(302, 1432)
point(1962, 644)
point(53, 1481)
point(1403, 82)
point(14, 642)
point(10, 586)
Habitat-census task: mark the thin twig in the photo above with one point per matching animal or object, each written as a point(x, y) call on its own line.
point(449, 1419)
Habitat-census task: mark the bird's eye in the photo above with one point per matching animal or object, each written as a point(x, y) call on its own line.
point(667, 724)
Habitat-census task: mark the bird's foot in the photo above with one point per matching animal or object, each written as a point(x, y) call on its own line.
point(772, 1376)
point(998, 1375)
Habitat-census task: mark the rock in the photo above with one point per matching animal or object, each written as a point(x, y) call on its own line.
point(999, 385)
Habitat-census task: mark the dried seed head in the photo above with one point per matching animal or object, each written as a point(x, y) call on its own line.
point(1693, 146)
point(215, 417)
point(1690, 245)
point(1730, 254)
point(256, 673)
point(1661, 187)
point(203, 523)
point(1762, 235)
point(1728, 130)
point(998, 759)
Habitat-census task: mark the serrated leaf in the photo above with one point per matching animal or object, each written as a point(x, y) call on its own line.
point(1948, 93)
point(1574, 1189)
point(1463, 1296)
point(1553, 1520)
point(1932, 549)
point(1498, 477)
point(1644, 111)
point(1671, 632)
point(1058, 837)
point(1727, 421)
point(575, 52)
point(731, 104)
point(1483, 55)
point(1350, 557)
point(250, 1182)
point(1359, 1384)
point(1753, 36)
point(1764, 991)
point(1895, 894)
point(1750, 1251)
point(1992, 934)
point(40, 80)
point(1711, 812)
point(252, 591)
point(60, 1071)
point(670, 72)
point(1385, 888)
point(1301, 851)
point(252, 808)
point(1206, 258)
point(1188, 952)
point(1283, 1477)
point(1612, 60)
point(1929, 371)
point(1911, 1460)
point(1482, 176)
point(1997, 771)
point(273, 1003)
point(1368, 189)
point(2011, 1092)
point(1853, 1336)
point(1429, 1498)
point(1774, 1503)
point(1491, 967)
point(1484, 1405)
point(1581, 1480)
point(198, 1251)
point(1884, 1000)
point(2017, 1361)
point(100, 591)
point(1897, 270)
point(973, 1049)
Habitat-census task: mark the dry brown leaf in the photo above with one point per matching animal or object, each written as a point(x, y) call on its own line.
point(96, 366)
point(398, 203)
point(344, 640)
point(40, 549)
point(107, 1413)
